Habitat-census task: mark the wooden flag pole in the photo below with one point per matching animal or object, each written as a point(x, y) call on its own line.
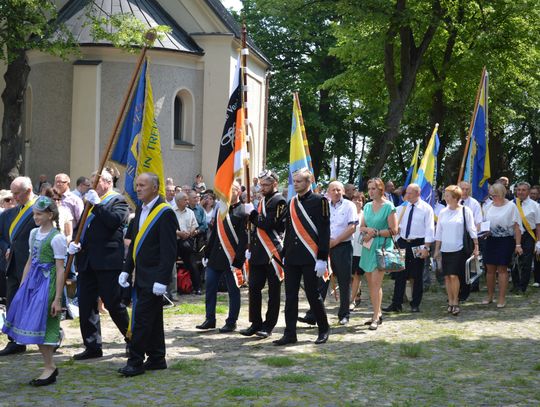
point(150, 37)
point(465, 152)
point(245, 52)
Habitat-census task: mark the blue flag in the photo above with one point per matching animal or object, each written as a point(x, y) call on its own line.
point(427, 173)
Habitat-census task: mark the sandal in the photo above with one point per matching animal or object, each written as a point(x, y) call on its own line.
point(450, 309)
point(374, 325)
point(455, 310)
point(487, 302)
point(502, 305)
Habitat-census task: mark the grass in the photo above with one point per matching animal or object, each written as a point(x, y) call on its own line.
point(278, 361)
point(372, 366)
point(294, 378)
point(245, 391)
point(189, 366)
point(412, 350)
point(537, 367)
point(193, 309)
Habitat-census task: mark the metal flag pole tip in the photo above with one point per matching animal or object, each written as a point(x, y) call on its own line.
point(151, 35)
point(436, 125)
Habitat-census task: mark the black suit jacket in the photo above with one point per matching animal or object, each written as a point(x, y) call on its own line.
point(103, 244)
point(318, 210)
point(157, 254)
point(18, 245)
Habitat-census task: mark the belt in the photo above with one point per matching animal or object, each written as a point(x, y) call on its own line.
point(412, 240)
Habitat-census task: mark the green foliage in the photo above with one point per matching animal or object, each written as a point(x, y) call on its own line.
point(410, 350)
point(278, 361)
point(188, 366)
point(245, 391)
point(294, 378)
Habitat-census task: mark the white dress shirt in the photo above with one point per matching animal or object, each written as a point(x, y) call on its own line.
point(532, 213)
point(342, 215)
point(475, 207)
point(186, 219)
point(145, 211)
point(422, 224)
point(173, 204)
point(450, 228)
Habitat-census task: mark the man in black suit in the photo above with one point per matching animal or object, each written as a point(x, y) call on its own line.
point(21, 222)
point(152, 254)
point(99, 260)
point(266, 244)
point(305, 252)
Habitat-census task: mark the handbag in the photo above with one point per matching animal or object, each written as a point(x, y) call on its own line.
point(468, 244)
point(390, 260)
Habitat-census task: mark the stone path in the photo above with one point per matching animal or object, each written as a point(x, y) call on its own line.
point(484, 357)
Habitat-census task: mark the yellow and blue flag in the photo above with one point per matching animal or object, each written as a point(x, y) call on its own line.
point(413, 169)
point(139, 146)
point(478, 169)
point(427, 173)
point(299, 156)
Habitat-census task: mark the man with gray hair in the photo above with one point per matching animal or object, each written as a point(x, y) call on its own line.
point(69, 199)
point(99, 259)
point(21, 221)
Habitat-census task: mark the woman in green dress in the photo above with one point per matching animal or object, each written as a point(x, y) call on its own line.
point(379, 224)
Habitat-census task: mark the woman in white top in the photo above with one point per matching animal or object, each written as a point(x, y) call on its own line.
point(504, 240)
point(449, 243)
point(357, 272)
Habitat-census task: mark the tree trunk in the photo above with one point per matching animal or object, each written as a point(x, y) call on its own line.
point(12, 143)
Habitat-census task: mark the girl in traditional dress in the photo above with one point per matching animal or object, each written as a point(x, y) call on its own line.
point(34, 314)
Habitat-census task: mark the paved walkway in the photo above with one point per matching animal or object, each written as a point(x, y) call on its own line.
point(484, 357)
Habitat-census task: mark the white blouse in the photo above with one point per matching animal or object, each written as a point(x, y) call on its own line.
point(502, 219)
point(58, 242)
point(449, 229)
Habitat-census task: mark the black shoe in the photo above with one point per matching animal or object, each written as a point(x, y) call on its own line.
point(370, 321)
point(322, 338)
point(415, 309)
point(88, 354)
point(249, 331)
point(155, 365)
point(392, 308)
point(307, 320)
point(263, 334)
point(12, 348)
point(45, 382)
point(130, 371)
point(285, 340)
point(197, 292)
point(227, 328)
point(207, 324)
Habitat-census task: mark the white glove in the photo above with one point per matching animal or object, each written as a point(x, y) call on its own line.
point(74, 248)
point(159, 289)
point(123, 279)
point(248, 254)
point(537, 247)
point(320, 268)
point(204, 262)
point(92, 197)
point(248, 208)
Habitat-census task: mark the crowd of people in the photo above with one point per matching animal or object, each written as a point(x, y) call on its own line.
point(329, 240)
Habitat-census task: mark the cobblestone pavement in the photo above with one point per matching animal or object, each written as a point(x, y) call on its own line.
point(484, 357)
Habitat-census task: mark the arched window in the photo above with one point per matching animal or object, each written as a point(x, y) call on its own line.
point(183, 118)
point(178, 120)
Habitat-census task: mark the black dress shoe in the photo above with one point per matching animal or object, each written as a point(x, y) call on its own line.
point(207, 324)
point(415, 309)
point(322, 338)
point(252, 330)
point(130, 371)
point(227, 328)
point(155, 365)
point(88, 354)
point(285, 340)
point(45, 382)
point(307, 320)
point(12, 348)
point(392, 308)
point(263, 334)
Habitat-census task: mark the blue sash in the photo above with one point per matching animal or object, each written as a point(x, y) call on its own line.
point(150, 221)
point(106, 198)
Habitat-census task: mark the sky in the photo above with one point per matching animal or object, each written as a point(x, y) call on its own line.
point(235, 4)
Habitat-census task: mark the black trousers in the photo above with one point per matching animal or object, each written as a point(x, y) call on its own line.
point(91, 285)
point(341, 260)
point(258, 275)
point(414, 268)
point(293, 275)
point(520, 280)
point(188, 257)
point(148, 336)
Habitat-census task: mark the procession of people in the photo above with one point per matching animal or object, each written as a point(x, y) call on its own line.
point(325, 240)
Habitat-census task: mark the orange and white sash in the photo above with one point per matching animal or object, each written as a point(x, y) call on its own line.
point(269, 245)
point(227, 235)
point(305, 230)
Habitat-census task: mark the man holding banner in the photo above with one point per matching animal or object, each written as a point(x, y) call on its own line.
point(99, 259)
point(21, 223)
point(151, 257)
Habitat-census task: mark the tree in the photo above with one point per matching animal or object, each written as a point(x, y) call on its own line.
point(24, 25)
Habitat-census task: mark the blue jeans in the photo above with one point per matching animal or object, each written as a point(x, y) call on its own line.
point(212, 281)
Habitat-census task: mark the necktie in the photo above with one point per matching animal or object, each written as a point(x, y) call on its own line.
point(462, 202)
point(409, 221)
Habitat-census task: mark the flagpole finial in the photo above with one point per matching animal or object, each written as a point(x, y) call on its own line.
point(151, 36)
point(436, 125)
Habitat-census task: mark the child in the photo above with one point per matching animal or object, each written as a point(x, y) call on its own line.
point(34, 314)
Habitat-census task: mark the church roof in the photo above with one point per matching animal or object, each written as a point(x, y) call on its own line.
point(74, 16)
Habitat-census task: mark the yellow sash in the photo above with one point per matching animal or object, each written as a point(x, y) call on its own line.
point(148, 222)
point(524, 219)
point(20, 215)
